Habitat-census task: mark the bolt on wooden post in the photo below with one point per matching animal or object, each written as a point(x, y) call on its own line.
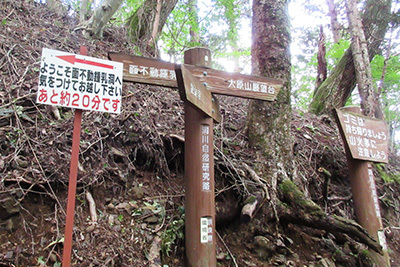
point(365, 140)
point(199, 177)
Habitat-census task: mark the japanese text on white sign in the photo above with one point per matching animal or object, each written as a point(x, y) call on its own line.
point(78, 81)
point(205, 157)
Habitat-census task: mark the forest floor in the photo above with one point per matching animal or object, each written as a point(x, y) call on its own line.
point(132, 166)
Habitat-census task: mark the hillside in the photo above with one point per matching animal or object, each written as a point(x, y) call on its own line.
point(131, 164)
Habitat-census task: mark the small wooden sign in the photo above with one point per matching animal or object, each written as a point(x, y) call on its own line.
point(366, 138)
point(193, 91)
point(158, 72)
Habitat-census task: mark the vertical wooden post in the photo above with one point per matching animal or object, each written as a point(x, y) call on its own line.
point(199, 178)
point(73, 174)
point(365, 199)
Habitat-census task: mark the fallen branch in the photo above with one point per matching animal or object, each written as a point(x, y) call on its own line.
point(92, 207)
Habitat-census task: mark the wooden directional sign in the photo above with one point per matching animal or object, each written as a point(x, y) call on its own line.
point(366, 138)
point(193, 91)
point(146, 70)
point(152, 71)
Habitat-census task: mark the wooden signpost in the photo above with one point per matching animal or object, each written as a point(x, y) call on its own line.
point(365, 140)
point(197, 83)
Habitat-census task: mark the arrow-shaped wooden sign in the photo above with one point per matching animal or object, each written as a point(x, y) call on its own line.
point(193, 91)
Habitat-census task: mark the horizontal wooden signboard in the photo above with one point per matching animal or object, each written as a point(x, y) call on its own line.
point(158, 72)
point(366, 138)
point(193, 91)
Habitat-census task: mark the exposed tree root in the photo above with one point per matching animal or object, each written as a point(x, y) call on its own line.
point(302, 211)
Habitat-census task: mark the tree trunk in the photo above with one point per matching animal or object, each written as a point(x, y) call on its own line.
point(337, 88)
point(95, 25)
point(369, 102)
point(269, 122)
point(84, 10)
point(146, 23)
point(194, 23)
point(334, 21)
point(321, 56)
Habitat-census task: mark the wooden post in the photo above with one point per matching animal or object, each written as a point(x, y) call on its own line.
point(199, 178)
point(73, 174)
point(365, 198)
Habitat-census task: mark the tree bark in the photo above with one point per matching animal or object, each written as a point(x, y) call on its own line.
point(369, 101)
point(269, 122)
point(337, 88)
point(146, 23)
point(95, 25)
point(321, 56)
point(84, 10)
point(334, 21)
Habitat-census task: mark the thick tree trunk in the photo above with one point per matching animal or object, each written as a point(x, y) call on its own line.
point(337, 88)
point(269, 122)
point(146, 23)
point(369, 101)
point(95, 25)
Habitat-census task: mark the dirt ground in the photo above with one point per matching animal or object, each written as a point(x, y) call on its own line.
point(131, 164)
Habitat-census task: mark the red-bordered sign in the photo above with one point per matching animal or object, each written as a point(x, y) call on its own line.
point(81, 82)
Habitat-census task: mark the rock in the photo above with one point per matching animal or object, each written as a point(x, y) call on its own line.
point(12, 223)
point(8, 208)
point(137, 192)
point(117, 228)
point(9, 255)
point(264, 247)
point(90, 228)
point(151, 219)
point(124, 206)
point(325, 263)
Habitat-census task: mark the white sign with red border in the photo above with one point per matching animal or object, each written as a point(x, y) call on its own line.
point(81, 82)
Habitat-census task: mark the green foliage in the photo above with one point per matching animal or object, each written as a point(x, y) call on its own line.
point(173, 234)
point(335, 51)
point(217, 24)
point(386, 176)
point(389, 98)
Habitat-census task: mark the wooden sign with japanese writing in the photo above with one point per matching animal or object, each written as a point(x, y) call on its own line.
point(152, 71)
point(81, 82)
point(193, 91)
point(366, 138)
